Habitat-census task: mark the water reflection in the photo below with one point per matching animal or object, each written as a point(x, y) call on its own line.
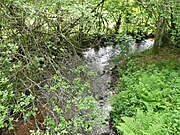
point(99, 61)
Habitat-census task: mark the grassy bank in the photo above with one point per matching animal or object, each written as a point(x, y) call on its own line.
point(147, 102)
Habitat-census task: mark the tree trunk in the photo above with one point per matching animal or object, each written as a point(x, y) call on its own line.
point(118, 23)
point(161, 24)
point(0, 32)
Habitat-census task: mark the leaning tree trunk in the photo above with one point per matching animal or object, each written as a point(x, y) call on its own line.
point(159, 33)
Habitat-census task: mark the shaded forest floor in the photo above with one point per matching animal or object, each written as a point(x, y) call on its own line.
point(165, 55)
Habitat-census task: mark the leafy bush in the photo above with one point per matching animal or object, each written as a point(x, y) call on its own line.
point(10, 99)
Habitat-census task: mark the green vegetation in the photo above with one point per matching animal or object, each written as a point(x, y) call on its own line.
point(46, 89)
point(148, 99)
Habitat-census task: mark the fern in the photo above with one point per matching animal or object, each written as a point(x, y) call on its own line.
point(145, 97)
point(149, 123)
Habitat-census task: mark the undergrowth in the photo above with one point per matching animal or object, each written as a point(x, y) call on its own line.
point(148, 100)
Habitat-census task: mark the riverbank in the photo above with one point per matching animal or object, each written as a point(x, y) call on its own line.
point(148, 89)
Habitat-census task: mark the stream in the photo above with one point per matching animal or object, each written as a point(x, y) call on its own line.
point(100, 62)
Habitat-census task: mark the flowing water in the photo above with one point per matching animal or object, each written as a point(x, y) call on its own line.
point(100, 62)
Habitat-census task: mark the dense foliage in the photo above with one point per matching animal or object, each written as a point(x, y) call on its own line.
point(39, 64)
point(44, 87)
point(148, 99)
